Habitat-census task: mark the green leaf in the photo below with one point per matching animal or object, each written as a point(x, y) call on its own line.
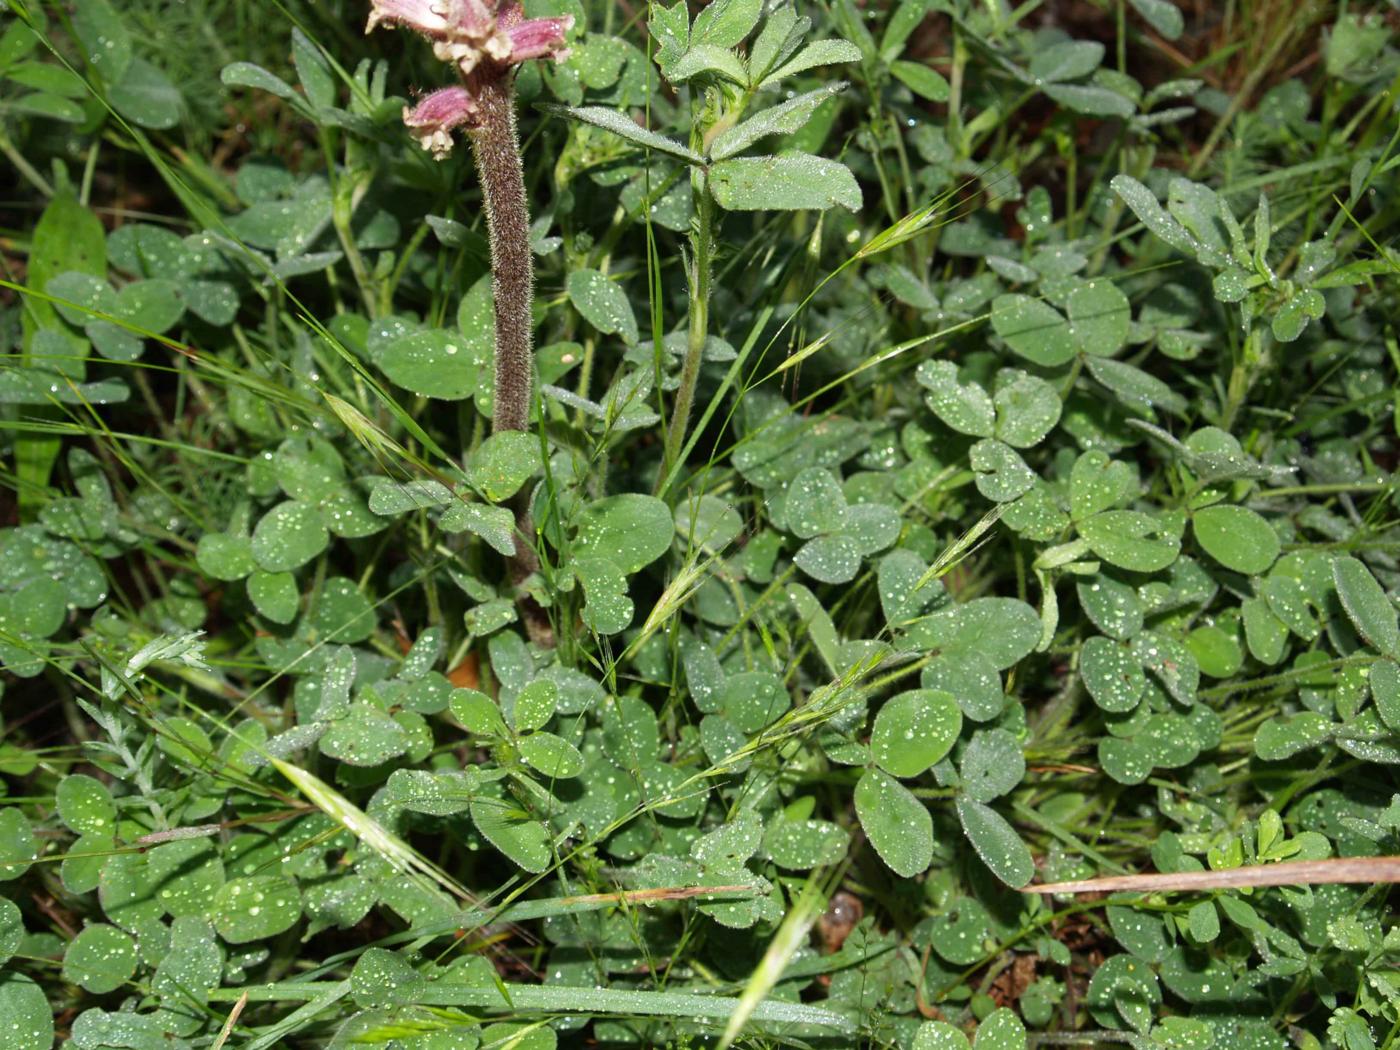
point(965, 408)
point(813, 503)
point(631, 530)
point(1281, 738)
point(897, 824)
point(1204, 922)
point(624, 126)
point(495, 525)
point(603, 304)
point(246, 74)
point(104, 37)
point(817, 53)
point(996, 842)
point(85, 805)
point(18, 847)
point(1067, 60)
point(1002, 475)
point(366, 736)
point(1094, 99)
point(1162, 15)
point(753, 699)
point(535, 705)
point(1027, 408)
point(920, 79)
point(833, 558)
point(437, 794)
point(1237, 538)
point(1112, 605)
point(1112, 675)
point(145, 96)
point(11, 929)
point(782, 119)
point(1098, 483)
point(437, 363)
point(1151, 214)
point(999, 630)
point(1265, 634)
point(786, 182)
point(992, 764)
point(1385, 690)
point(505, 826)
point(1001, 1030)
point(26, 1019)
point(801, 845)
point(708, 59)
point(342, 613)
point(1126, 761)
point(503, 463)
point(1131, 540)
point(960, 934)
point(101, 958)
point(1291, 319)
point(478, 712)
point(1123, 992)
point(914, 730)
point(84, 296)
point(940, 1035)
point(1136, 388)
point(1100, 316)
point(313, 71)
point(255, 908)
point(288, 536)
point(225, 557)
point(1367, 605)
point(274, 595)
point(552, 756)
point(1034, 329)
point(725, 23)
point(608, 609)
point(37, 610)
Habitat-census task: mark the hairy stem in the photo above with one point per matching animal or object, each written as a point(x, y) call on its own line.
point(496, 148)
point(702, 244)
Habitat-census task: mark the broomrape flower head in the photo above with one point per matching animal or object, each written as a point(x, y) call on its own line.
point(432, 121)
point(483, 39)
point(472, 34)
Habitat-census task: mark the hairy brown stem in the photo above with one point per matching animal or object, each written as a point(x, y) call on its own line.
point(496, 148)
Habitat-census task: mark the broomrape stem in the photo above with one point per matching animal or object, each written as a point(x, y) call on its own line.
point(496, 149)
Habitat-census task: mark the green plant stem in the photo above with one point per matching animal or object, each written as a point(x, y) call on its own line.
point(702, 243)
point(15, 157)
point(344, 200)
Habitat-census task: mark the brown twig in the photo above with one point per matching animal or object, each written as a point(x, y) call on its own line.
point(1286, 873)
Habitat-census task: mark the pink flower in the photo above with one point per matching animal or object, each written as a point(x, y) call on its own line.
point(432, 121)
point(468, 33)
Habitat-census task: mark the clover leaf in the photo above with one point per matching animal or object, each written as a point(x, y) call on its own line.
point(897, 824)
point(838, 535)
point(914, 730)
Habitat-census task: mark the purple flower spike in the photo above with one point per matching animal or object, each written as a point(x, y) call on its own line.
point(431, 121)
point(470, 33)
